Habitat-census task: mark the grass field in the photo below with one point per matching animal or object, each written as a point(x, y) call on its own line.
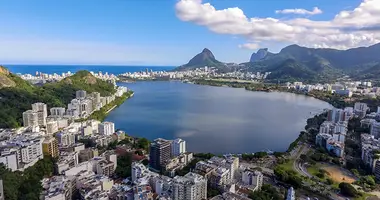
point(288, 165)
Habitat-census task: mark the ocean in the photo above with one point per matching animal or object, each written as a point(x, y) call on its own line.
point(50, 69)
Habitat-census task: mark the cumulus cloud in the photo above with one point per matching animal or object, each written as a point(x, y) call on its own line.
point(250, 46)
point(300, 11)
point(349, 28)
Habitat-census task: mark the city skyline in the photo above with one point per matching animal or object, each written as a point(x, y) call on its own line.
point(166, 33)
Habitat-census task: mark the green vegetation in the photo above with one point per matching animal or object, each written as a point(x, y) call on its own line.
point(288, 176)
point(142, 143)
point(124, 164)
point(348, 190)
point(257, 155)
point(101, 114)
point(267, 192)
point(27, 184)
point(15, 100)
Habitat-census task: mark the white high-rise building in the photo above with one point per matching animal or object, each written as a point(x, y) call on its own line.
point(178, 147)
point(41, 110)
point(106, 128)
point(291, 194)
point(30, 118)
point(375, 129)
point(189, 187)
point(57, 111)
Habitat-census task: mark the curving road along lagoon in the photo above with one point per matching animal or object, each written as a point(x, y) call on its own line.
point(215, 119)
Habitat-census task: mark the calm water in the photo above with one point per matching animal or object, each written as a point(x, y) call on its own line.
point(50, 69)
point(215, 119)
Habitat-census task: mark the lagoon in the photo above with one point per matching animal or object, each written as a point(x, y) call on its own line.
point(215, 119)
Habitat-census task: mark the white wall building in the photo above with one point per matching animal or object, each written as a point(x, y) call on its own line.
point(30, 118)
point(178, 147)
point(253, 178)
point(51, 127)
point(57, 111)
point(41, 110)
point(106, 128)
point(189, 187)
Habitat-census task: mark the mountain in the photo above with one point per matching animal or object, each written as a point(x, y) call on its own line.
point(6, 78)
point(323, 63)
point(18, 97)
point(205, 58)
point(259, 55)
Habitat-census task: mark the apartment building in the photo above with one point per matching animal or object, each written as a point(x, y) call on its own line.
point(189, 187)
point(50, 147)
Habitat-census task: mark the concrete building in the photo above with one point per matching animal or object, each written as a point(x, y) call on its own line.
point(375, 129)
point(105, 167)
point(21, 152)
point(321, 139)
point(254, 178)
point(51, 127)
point(1, 190)
point(336, 115)
point(80, 94)
point(87, 154)
point(57, 111)
point(50, 147)
point(58, 188)
point(360, 109)
point(41, 110)
point(10, 159)
point(106, 128)
point(335, 147)
point(178, 147)
point(189, 187)
point(30, 118)
point(160, 153)
point(66, 138)
point(291, 194)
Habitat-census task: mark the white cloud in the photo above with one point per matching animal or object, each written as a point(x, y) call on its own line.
point(300, 11)
point(349, 28)
point(250, 46)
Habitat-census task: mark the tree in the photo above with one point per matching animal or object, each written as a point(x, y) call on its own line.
point(124, 164)
point(267, 192)
point(348, 190)
point(143, 143)
point(329, 181)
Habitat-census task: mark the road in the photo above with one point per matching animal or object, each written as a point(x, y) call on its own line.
point(298, 166)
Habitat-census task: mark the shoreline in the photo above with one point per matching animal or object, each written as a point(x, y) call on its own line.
point(101, 114)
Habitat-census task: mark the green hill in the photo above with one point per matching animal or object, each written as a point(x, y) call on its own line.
point(18, 97)
point(318, 64)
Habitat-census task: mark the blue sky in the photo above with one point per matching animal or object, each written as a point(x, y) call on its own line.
point(163, 32)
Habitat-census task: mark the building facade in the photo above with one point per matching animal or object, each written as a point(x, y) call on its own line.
point(106, 128)
point(50, 147)
point(189, 187)
point(178, 147)
point(160, 153)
